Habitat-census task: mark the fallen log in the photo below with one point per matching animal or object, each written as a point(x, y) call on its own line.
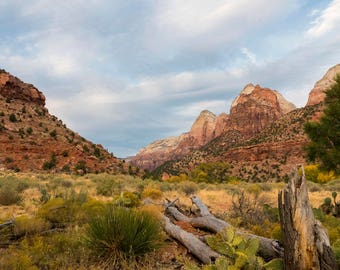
point(269, 248)
point(306, 243)
point(7, 223)
point(191, 242)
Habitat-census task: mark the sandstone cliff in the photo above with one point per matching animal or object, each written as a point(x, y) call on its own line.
point(160, 151)
point(269, 153)
point(33, 140)
point(317, 94)
point(254, 109)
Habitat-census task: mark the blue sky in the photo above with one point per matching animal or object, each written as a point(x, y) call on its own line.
point(124, 73)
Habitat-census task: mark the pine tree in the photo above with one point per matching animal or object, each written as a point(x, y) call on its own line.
point(324, 136)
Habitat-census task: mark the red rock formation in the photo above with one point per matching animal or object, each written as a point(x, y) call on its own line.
point(158, 152)
point(202, 131)
point(13, 88)
point(31, 138)
point(317, 94)
point(256, 108)
point(222, 123)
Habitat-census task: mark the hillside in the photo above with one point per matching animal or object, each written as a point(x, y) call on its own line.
point(269, 155)
point(31, 139)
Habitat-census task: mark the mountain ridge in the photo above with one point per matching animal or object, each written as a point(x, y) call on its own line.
point(31, 139)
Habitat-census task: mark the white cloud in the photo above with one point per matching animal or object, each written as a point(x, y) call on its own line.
point(328, 21)
point(250, 55)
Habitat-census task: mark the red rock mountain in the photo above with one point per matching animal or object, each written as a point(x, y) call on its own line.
point(254, 109)
point(160, 151)
point(317, 94)
point(32, 140)
point(272, 151)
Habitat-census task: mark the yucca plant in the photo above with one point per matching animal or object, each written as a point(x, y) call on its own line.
point(122, 233)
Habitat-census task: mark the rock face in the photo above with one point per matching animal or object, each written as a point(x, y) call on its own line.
point(13, 88)
point(202, 131)
point(33, 140)
point(156, 153)
point(222, 122)
point(317, 94)
point(254, 109)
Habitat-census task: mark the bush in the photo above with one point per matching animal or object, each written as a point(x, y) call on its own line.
point(29, 225)
point(122, 233)
point(152, 193)
point(127, 199)
point(10, 189)
point(105, 186)
point(9, 195)
point(13, 118)
point(188, 187)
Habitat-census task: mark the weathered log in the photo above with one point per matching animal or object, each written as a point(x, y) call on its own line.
point(191, 242)
point(269, 248)
point(306, 243)
point(7, 223)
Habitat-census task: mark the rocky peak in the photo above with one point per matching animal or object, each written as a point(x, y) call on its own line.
point(317, 94)
point(13, 88)
point(222, 124)
point(255, 108)
point(203, 128)
point(247, 90)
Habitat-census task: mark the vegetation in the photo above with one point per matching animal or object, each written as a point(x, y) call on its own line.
point(325, 135)
point(123, 233)
point(54, 214)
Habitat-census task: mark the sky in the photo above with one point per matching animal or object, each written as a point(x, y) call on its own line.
point(124, 73)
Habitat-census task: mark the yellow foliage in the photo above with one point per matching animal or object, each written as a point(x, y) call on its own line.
point(29, 225)
point(152, 193)
point(324, 177)
point(178, 178)
point(153, 210)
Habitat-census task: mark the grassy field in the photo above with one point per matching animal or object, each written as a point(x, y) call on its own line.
point(52, 214)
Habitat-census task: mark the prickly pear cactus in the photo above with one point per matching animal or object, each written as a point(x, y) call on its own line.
point(239, 252)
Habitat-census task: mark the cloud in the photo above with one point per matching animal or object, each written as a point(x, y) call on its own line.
point(125, 73)
point(251, 56)
point(328, 20)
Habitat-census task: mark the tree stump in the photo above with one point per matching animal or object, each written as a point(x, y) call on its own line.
point(305, 240)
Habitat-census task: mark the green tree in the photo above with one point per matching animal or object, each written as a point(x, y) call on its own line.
point(324, 135)
point(211, 172)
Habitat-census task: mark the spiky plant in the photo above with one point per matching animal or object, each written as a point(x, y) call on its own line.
point(122, 233)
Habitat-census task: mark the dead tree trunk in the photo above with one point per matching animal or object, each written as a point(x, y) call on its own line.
point(191, 242)
point(306, 243)
point(269, 248)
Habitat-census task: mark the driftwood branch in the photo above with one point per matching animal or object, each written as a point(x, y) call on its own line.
point(305, 240)
point(191, 242)
point(7, 223)
point(269, 248)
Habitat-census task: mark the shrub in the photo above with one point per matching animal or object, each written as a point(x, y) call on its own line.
point(9, 196)
point(48, 165)
point(53, 134)
point(211, 172)
point(122, 233)
point(13, 118)
point(29, 130)
point(152, 193)
point(127, 199)
point(188, 187)
point(29, 225)
point(105, 187)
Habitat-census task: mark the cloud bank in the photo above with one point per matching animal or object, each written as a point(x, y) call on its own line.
point(125, 73)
